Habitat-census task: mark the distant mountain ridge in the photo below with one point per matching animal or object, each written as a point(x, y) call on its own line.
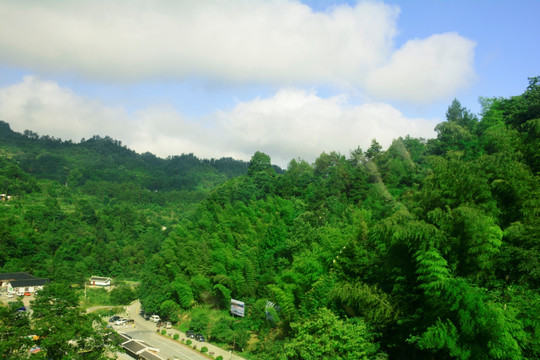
point(106, 159)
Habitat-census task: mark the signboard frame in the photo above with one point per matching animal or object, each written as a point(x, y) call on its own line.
point(237, 307)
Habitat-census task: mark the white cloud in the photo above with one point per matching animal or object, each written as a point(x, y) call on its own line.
point(282, 42)
point(48, 109)
point(292, 123)
point(296, 123)
point(425, 70)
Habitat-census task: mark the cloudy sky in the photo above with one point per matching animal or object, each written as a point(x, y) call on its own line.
point(228, 78)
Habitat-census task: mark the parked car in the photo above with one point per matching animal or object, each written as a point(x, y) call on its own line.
point(155, 318)
point(146, 316)
point(34, 350)
point(120, 322)
point(167, 325)
point(190, 334)
point(27, 293)
point(129, 321)
point(199, 337)
point(114, 318)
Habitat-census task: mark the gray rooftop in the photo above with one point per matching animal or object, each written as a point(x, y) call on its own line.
point(16, 276)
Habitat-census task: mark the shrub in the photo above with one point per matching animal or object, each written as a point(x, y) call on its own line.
point(176, 336)
point(170, 308)
point(204, 349)
point(122, 294)
point(222, 332)
point(163, 332)
point(219, 357)
point(199, 320)
point(188, 342)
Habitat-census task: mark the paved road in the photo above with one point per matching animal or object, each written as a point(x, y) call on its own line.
point(146, 331)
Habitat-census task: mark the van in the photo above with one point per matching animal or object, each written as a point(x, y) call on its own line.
point(155, 318)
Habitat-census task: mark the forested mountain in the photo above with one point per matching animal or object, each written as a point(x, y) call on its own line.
point(93, 207)
point(425, 250)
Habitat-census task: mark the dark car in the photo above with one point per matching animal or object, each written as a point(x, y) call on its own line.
point(114, 318)
point(147, 316)
point(199, 337)
point(190, 334)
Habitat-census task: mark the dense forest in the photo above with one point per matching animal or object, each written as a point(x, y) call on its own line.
point(429, 249)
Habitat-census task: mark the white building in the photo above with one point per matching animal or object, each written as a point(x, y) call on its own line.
point(21, 283)
point(100, 281)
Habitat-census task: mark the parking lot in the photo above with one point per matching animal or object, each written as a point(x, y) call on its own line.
point(6, 298)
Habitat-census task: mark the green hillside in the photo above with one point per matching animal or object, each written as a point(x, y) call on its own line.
point(429, 249)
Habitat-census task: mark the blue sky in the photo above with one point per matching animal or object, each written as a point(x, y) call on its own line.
point(289, 78)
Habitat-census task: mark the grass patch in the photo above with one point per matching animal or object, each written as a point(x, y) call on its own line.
point(94, 297)
point(110, 311)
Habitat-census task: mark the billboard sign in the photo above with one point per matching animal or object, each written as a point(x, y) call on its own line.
point(237, 307)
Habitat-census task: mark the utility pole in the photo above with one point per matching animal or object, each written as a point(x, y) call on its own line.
point(233, 344)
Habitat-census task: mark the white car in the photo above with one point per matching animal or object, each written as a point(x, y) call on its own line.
point(120, 322)
point(155, 318)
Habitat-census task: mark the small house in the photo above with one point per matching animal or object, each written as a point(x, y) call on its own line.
point(100, 281)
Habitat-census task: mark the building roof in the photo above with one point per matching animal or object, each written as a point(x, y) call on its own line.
point(16, 276)
point(134, 346)
point(28, 282)
point(124, 336)
point(100, 278)
point(147, 355)
point(139, 347)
